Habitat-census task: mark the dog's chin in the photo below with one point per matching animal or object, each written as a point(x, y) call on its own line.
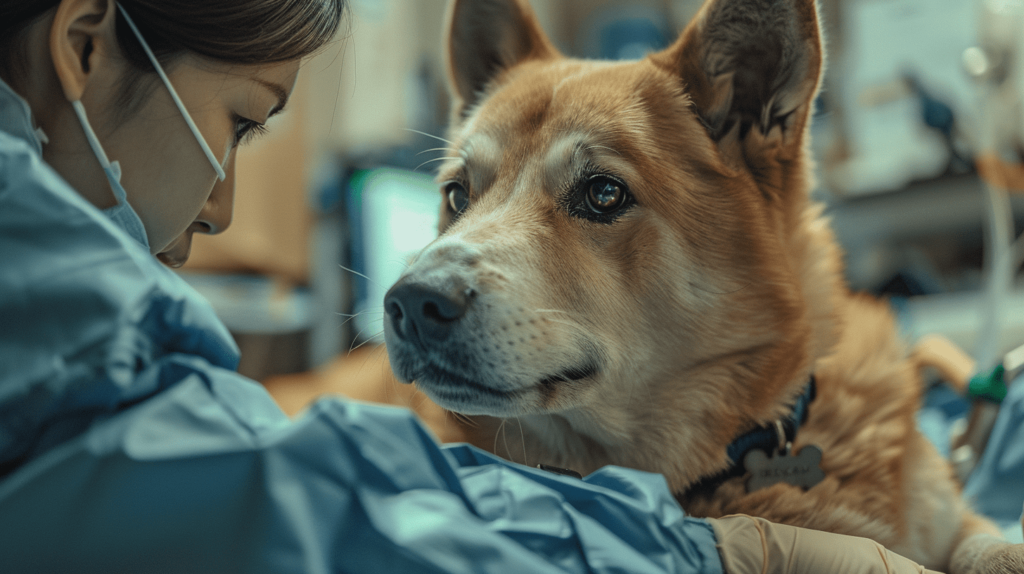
point(480, 396)
point(468, 397)
point(466, 390)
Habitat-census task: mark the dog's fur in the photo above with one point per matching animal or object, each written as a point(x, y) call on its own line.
point(654, 337)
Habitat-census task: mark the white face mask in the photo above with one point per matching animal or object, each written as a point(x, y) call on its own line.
point(122, 214)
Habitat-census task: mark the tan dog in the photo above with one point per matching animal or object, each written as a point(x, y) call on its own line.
point(631, 272)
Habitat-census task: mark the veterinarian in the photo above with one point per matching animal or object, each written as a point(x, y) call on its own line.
point(127, 441)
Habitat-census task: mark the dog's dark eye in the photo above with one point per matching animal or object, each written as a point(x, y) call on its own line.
point(458, 197)
point(605, 195)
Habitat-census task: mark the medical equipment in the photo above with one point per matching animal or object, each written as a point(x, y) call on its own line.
point(998, 65)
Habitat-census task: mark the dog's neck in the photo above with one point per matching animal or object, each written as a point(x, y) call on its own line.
point(775, 437)
point(685, 450)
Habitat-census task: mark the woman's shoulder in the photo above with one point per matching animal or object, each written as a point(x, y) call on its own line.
point(72, 282)
point(29, 184)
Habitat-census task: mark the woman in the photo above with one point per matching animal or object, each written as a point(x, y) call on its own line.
point(128, 443)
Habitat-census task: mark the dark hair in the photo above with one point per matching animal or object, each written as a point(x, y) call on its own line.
point(231, 31)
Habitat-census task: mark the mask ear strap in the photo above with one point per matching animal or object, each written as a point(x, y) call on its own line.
point(90, 135)
point(174, 96)
point(112, 169)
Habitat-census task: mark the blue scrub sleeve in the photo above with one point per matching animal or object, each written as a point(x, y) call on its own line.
point(209, 476)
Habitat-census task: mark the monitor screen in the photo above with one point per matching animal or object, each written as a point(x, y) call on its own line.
point(394, 215)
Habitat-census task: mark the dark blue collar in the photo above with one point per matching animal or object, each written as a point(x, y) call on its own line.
point(768, 438)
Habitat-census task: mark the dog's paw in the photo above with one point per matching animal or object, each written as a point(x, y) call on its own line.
point(987, 554)
point(1002, 559)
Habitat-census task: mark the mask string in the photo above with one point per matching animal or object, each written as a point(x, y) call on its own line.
point(221, 175)
point(112, 169)
point(90, 135)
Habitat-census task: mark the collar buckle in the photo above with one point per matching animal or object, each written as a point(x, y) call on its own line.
point(773, 441)
point(785, 446)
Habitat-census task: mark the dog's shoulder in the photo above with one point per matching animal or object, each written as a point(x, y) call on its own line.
point(871, 359)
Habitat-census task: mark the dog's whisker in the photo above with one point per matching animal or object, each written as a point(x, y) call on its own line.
point(354, 272)
point(387, 375)
point(360, 345)
point(467, 420)
point(433, 149)
point(446, 419)
point(504, 440)
point(522, 437)
point(417, 401)
point(359, 314)
point(354, 339)
point(496, 435)
point(429, 136)
point(445, 158)
point(362, 314)
point(368, 339)
point(401, 262)
point(346, 321)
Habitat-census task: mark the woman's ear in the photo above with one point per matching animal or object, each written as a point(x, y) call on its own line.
point(81, 35)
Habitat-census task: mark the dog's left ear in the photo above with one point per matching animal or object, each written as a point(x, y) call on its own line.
point(486, 38)
point(750, 65)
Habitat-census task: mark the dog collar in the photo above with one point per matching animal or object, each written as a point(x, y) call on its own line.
point(771, 438)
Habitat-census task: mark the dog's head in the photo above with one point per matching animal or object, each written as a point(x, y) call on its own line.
point(623, 244)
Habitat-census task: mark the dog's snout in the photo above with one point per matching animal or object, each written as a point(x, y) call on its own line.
point(422, 312)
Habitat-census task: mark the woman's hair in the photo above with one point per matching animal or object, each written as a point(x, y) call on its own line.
point(230, 31)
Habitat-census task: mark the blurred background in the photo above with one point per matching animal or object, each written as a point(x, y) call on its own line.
point(918, 94)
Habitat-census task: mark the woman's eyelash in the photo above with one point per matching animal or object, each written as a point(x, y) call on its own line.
point(247, 130)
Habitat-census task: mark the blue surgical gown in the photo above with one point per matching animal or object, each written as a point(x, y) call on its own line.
point(129, 444)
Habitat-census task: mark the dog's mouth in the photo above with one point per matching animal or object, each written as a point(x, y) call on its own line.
point(571, 375)
point(461, 393)
point(436, 377)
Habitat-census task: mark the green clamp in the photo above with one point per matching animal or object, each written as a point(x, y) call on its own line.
point(989, 386)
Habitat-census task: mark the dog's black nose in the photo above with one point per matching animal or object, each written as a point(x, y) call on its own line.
point(426, 313)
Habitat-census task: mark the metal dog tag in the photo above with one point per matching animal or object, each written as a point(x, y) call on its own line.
point(803, 469)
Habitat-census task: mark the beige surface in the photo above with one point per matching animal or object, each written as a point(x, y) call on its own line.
point(363, 375)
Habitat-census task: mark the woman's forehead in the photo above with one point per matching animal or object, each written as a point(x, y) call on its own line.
point(274, 82)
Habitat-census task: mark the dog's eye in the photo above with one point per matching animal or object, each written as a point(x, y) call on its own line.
point(458, 197)
point(605, 195)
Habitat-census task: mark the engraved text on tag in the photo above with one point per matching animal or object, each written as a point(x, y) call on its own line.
point(803, 469)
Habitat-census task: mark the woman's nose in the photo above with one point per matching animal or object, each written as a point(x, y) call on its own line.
point(216, 215)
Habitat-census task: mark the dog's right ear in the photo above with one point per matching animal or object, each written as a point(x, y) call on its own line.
point(485, 38)
point(750, 64)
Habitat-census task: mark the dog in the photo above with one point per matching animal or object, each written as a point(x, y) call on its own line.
point(631, 271)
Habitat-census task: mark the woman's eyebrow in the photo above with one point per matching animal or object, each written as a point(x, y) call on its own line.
point(277, 90)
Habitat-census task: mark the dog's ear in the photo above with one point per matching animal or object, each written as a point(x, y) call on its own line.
point(485, 38)
point(750, 65)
